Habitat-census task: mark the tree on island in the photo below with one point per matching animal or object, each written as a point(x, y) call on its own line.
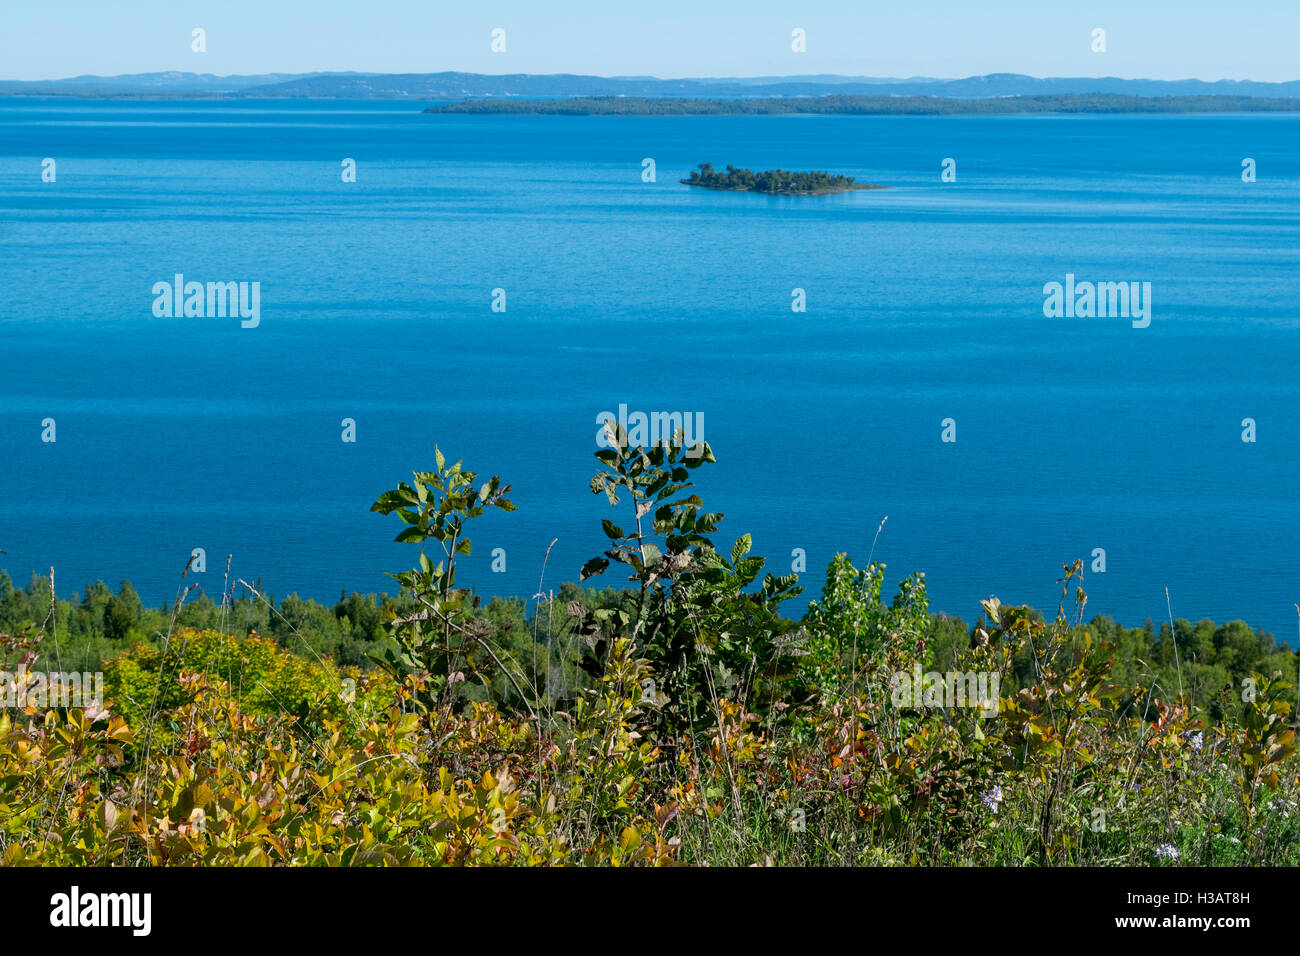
point(772, 181)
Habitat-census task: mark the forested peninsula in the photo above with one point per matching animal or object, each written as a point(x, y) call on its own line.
point(874, 105)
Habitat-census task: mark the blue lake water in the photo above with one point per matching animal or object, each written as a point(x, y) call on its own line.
point(924, 302)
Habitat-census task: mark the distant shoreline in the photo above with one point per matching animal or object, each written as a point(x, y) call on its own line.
point(1082, 103)
point(822, 102)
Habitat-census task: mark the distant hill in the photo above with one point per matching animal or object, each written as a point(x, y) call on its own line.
point(460, 87)
point(134, 83)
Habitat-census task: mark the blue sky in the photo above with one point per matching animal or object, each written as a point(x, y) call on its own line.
point(1162, 39)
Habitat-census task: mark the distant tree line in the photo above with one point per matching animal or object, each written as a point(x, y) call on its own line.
point(876, 105)
point(1204, 658)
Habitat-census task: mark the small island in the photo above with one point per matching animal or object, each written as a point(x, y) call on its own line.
point(774, 182)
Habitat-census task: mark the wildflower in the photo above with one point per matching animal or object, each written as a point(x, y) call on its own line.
point(1166, 851)
point(1195, 738)
point(992, 798)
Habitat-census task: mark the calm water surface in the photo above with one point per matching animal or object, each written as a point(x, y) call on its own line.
point(924, 303)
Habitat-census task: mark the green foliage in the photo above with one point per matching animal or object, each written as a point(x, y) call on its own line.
point(681, 719)
point(856, 638)
point(264, 679)
point(442, 642)
point(705, 635)
point(1266, 741)
point(101, 626)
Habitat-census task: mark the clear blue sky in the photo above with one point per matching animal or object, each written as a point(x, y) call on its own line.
point(1162, 39)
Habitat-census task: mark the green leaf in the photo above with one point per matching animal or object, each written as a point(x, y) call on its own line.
point(592, 568)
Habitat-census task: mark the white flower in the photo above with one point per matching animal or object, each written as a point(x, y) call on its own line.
point(992, 798)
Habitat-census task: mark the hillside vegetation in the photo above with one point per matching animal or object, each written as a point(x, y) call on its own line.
point(678, 718)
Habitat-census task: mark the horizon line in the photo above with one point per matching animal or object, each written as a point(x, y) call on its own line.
point(650, 76)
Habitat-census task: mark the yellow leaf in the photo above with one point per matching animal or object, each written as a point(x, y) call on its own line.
point(630, 840)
